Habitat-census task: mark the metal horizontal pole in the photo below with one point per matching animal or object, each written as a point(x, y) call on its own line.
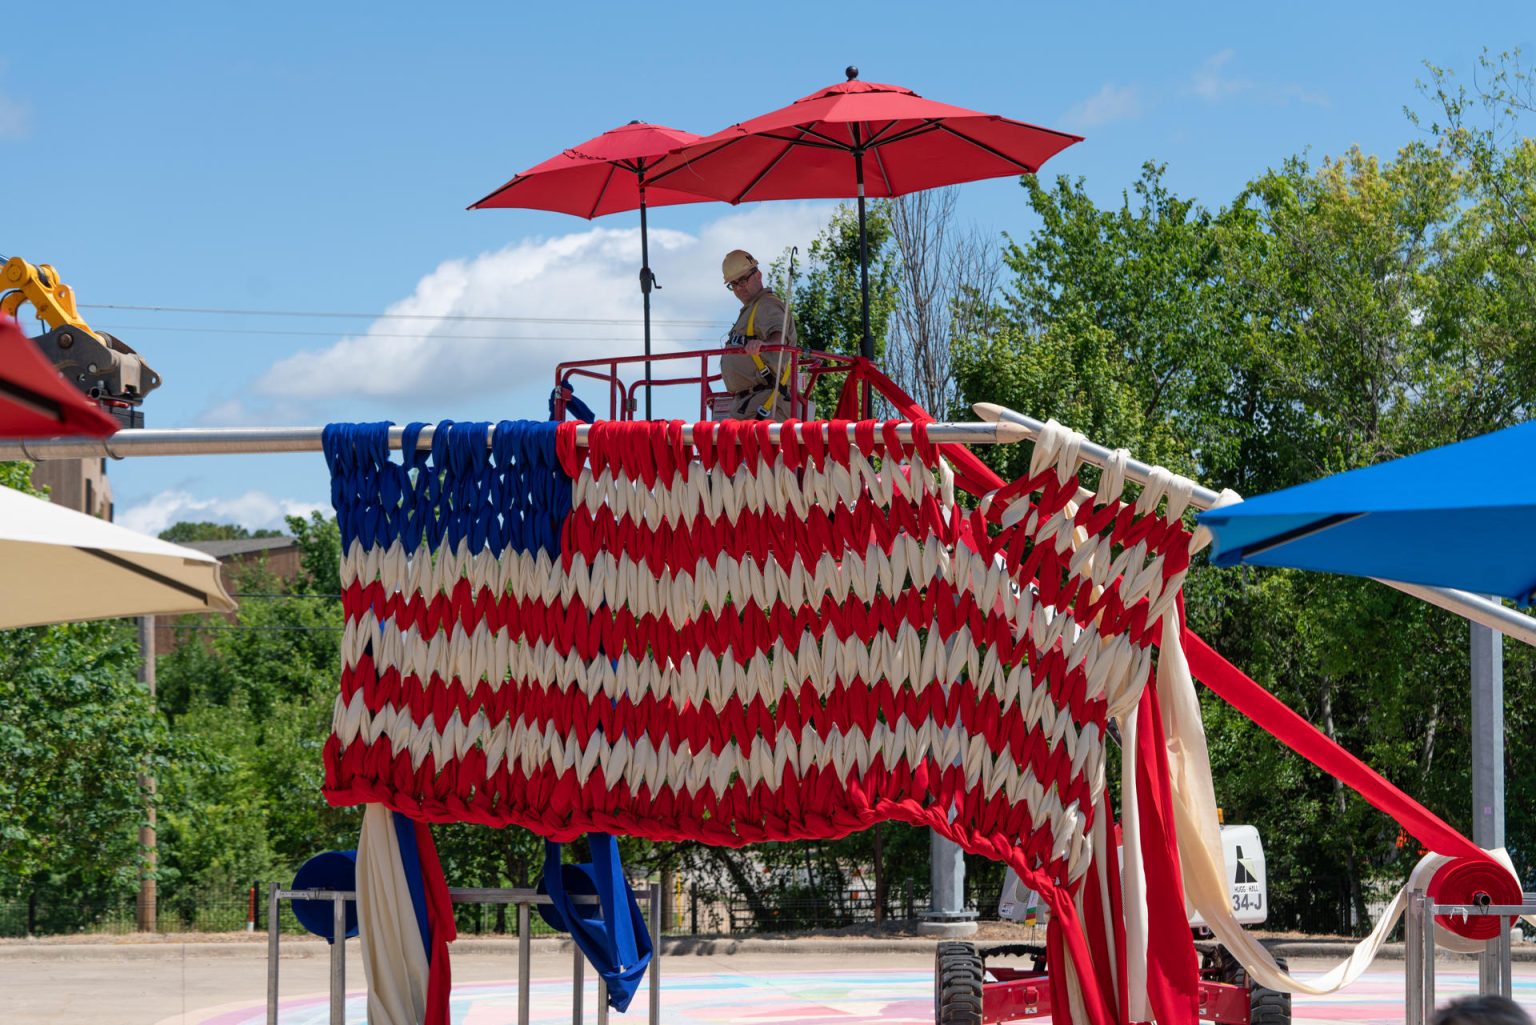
point(457, 894)
point(1465, 604)
point(1474, 607)
point(1092, 452)
point(207, 441)
point(1481, 910)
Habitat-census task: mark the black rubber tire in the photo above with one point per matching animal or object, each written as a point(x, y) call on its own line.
point(957, 975)
point(1265, 1006)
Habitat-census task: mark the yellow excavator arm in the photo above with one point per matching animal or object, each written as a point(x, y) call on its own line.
point(102, 366)
point(53, 300)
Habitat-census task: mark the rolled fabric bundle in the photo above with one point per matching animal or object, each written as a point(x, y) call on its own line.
point(1474, 881)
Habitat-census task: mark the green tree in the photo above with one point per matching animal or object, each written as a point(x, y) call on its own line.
point(1114, 322)
point(185, 531)
point(76, 729)
point(1489, 302)
point(319, 540)
point(16, 475)
point(1325, 318)
point(827, 295)
point(251, 705)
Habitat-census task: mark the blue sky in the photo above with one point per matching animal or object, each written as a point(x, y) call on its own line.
point(280, 157)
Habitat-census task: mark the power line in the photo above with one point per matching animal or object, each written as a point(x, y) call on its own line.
point(322, 334)
point(385, 316)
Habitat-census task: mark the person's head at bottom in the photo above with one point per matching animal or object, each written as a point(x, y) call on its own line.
point(1489, 1010)
point(742, 276)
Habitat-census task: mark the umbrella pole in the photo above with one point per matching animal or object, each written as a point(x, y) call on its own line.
point(866, 341)
point(645, 292)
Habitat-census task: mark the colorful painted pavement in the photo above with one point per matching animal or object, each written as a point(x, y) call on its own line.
point(816, 998)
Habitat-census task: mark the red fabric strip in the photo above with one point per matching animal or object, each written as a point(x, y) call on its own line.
point(1173, 972)
point(440, 921)
point(1271, 714)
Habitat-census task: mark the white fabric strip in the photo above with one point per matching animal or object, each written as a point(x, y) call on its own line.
point(394, 960)
point(1133, 877)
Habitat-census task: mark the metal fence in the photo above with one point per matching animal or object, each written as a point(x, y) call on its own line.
point(793, 913)
point(692, 911)
point(218, 911)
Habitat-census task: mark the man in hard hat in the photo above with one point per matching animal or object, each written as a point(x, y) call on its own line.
point(753, 377)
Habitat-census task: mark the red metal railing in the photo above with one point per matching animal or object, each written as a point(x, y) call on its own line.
point(805, 369)
point(1021, 995)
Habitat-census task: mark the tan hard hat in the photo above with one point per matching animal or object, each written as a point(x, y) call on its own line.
point(736, 263)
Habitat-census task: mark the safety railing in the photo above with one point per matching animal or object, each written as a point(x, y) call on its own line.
point(523, 899)
point(1494, 975)
point(806, 367)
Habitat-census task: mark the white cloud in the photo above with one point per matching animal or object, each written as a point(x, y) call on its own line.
point(1209, 82)
point(240, 411)
point(1212, 84)
point(1110, 103)
point(14, 119)
point(253, 510)
point(588, 275)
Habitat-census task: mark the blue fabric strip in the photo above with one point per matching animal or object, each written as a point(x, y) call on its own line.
point(410, 861)
point(508, 495)
point(616, 944)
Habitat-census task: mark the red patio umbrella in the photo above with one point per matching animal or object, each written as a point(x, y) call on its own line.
point(605, 175)
point(816, 148)
point(35, 402)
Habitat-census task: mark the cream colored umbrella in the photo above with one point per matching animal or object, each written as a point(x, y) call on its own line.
point(60, 566)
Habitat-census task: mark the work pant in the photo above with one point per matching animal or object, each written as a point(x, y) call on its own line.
point(739, 373)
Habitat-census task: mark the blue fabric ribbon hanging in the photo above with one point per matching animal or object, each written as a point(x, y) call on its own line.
point(613, 934)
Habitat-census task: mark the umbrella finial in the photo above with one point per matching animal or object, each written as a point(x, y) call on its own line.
point(852, 71)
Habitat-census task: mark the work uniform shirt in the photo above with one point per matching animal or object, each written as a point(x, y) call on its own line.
point(761, 317)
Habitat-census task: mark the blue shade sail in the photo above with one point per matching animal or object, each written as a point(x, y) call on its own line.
point(1460, 516)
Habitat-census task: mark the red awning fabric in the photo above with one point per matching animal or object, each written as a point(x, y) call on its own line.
point(35, 402)
point(909, 143)
point(600, 176)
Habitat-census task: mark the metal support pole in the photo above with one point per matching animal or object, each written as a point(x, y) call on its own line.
point(1413, 957)
point(866, 339)
point(655, 972)
point(146, 909)
point(1427, 935)
point(578, 984)
point(646, 283)
point(1506, 969)
point(207, 441)
point(338, 959)
point(1487, 737)
point(524, 966)
point(1494, 976)
point(272, 953)
point(602, 1001)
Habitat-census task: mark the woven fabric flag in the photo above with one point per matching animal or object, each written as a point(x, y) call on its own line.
point(765, 632)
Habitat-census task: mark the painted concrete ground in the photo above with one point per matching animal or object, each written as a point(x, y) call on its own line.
point(816, 998)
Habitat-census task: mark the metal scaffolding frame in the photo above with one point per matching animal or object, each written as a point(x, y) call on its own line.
point(1494, 974)
point(524, 899)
